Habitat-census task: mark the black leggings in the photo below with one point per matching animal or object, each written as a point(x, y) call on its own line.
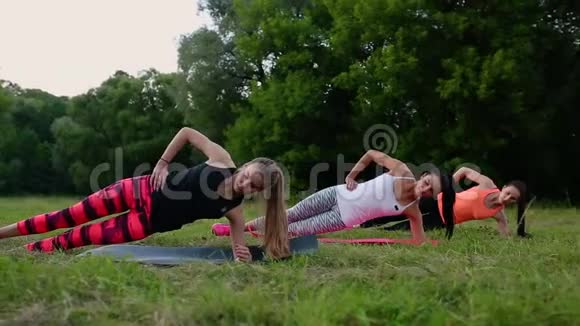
point(431, 218)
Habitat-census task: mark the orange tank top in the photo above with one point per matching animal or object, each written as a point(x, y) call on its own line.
point(470, 205)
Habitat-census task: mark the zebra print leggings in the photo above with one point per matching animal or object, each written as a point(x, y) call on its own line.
point(316, 214)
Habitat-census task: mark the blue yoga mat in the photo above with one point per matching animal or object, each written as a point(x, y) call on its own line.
point(170, 256)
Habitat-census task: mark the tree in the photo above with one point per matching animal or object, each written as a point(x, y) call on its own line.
point(126, 120)
point(26, 146)
point(211, 83)
point(215, 80)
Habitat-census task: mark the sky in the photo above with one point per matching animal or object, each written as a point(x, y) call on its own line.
point(66, 47)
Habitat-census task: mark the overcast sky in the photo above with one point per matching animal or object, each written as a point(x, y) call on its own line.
point(66, 47)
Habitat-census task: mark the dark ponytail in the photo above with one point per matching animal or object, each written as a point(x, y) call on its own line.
point(448, 202)
point(522, 204)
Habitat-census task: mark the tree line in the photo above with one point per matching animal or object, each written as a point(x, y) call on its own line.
point(488, 83)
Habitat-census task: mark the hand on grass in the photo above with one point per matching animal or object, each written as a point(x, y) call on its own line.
point(242, 253)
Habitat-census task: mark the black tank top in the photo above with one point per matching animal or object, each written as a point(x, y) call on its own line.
point(190, 195)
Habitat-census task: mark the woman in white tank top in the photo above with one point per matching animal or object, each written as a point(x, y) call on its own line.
point(345, 206)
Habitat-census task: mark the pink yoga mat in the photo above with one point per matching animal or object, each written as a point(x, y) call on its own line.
point(374, 241)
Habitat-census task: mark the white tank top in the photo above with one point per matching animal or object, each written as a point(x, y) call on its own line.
point(371, 199)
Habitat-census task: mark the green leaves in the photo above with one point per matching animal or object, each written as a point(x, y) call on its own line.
point(459, 81)
point(489, 83)
point(134, 114)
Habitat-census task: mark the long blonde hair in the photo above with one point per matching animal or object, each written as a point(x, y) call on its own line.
point(276, 241)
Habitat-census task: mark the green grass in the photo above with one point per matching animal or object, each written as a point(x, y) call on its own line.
point(478, 278)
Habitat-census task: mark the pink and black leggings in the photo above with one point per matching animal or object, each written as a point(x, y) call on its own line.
point(131, 197)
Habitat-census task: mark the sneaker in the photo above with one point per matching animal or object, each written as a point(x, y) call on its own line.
point(220, 229)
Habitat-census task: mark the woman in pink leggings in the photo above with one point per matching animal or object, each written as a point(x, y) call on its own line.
point(166, 201)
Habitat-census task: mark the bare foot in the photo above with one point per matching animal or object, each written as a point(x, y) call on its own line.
point(9, 231)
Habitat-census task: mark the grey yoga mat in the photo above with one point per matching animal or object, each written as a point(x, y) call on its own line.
point(170, 256)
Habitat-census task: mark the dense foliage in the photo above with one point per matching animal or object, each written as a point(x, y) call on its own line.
point(488, 83)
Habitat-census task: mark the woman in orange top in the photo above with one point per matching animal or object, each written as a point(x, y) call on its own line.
point(483, 201)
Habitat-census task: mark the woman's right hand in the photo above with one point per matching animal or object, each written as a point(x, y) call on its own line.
point(242, 253)
point(159, 175)
point(351, 184)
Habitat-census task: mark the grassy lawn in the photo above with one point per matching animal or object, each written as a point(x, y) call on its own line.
point(478, 278)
